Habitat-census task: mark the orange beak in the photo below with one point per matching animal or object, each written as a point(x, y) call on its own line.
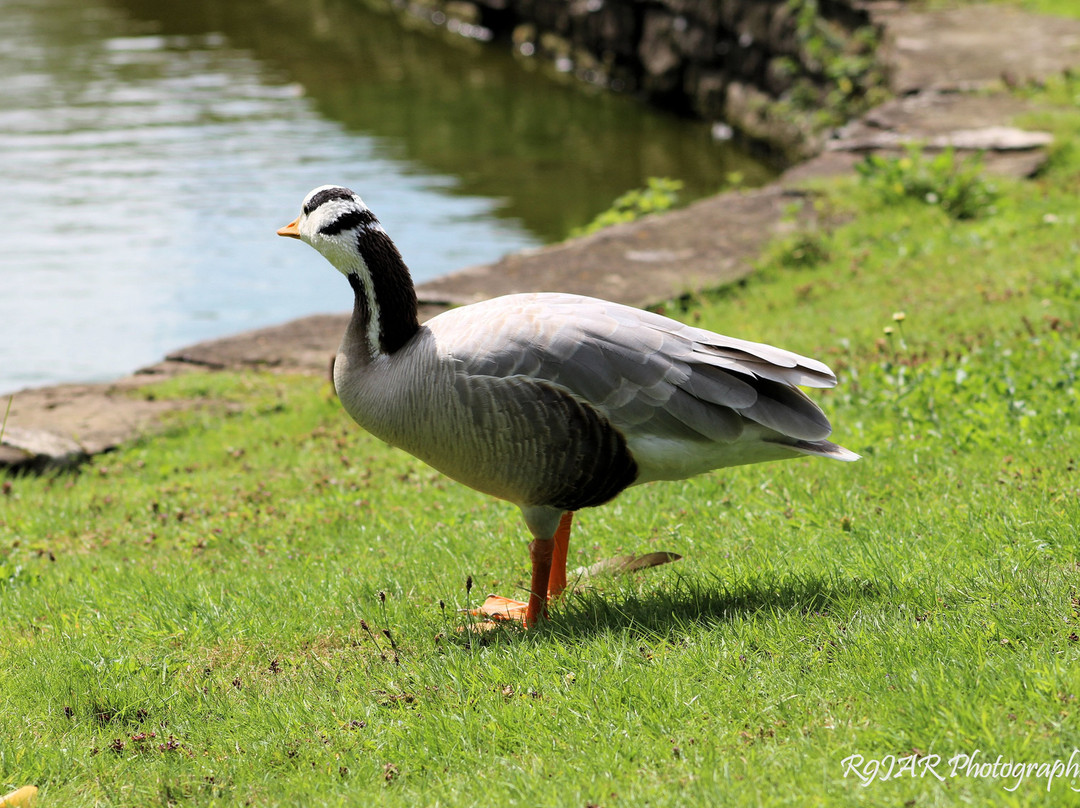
point(290, 229)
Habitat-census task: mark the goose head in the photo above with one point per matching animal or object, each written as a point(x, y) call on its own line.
point(337, 223)
point(334, 220)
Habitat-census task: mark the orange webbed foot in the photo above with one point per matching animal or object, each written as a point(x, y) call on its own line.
point(548, 582)
point(500, 611)
point(499, 608)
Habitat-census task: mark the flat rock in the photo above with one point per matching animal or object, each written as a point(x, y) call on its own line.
point(39, 451)
point(973, 47)
point(990, 138)
point(95, 417)
point(709, 243)
point(938, 120)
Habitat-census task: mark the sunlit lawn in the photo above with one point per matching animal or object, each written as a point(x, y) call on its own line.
point(260, 607)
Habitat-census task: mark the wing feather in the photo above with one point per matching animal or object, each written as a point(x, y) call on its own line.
point(647, 374)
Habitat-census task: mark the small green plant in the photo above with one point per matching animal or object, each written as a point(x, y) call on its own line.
point(957, 186)
point(659, 194)
point(807, 249)
point(838, 73)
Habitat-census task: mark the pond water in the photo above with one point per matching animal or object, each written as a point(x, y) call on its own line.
point(150, 148)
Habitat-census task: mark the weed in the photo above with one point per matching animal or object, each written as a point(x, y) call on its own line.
point(802, 251)
point(849, 75)
point(658, 195)
point(957, 186)
point(835, 76)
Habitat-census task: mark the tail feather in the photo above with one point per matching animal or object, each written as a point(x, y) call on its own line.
point(821, 448)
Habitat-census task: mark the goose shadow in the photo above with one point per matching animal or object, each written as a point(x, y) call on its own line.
point(705, 599)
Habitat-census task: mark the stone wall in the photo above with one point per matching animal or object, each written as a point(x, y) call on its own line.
point(777, 71)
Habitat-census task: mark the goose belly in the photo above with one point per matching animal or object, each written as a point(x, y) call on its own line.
point(510, 437)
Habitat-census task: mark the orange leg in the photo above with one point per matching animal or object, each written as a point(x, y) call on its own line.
point(540, 552)
point(549, 557)
point(548, 579)
point(500, 608)
point(557, 581)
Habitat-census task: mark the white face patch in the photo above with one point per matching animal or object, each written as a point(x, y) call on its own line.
point(333, 228)
point(339, 248)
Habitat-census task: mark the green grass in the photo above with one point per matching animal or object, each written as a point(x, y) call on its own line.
point(199, 618)
point(1061, 8)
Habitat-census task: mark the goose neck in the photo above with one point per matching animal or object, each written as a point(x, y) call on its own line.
point(385, 305)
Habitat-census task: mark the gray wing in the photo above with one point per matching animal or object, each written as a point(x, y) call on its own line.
point(648, 374)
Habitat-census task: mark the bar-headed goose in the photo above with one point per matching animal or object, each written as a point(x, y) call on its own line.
point(554, 402)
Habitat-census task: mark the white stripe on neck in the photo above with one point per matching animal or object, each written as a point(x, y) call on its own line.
point(374, 325)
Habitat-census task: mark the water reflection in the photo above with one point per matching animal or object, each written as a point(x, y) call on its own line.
point(555, 155)
point(150, 149)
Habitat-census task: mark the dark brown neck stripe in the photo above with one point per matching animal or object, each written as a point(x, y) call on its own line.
point(395, 296)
